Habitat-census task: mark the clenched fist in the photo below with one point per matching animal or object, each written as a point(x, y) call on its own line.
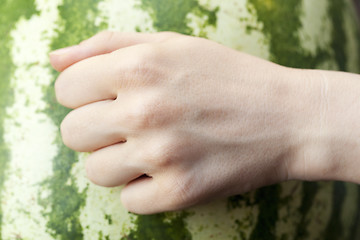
point(181, 120)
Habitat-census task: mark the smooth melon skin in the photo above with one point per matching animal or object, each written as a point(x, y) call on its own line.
point(44, 191)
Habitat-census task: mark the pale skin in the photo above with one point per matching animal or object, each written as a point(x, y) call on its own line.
point(180, 120)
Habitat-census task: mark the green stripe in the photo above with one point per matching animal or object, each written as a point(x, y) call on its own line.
point(160, 226)
point(268, 201)
point(65, 202)
point(310, 190)
point(355, 228)
point(338, 44)
point(358, 40)
point(281, 21)
point(238, 201)
point(171, 15)
point(335, 229)
point(10, 13)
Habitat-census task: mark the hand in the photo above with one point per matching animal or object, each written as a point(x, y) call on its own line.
point(180, 120)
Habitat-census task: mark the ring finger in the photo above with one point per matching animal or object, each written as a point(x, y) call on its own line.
point(116, 165)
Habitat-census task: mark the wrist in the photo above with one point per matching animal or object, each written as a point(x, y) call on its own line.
point(327, 133)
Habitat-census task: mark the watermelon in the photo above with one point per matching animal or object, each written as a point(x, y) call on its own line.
point(44, 193)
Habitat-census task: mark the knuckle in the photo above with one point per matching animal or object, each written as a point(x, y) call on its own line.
point(106, 34)
point(144, 53)
point(165, 35)
point(139, 118)
point(163, 153)
point(144, 67)
point(103, 36)
point(144, 63)
point(145, 114)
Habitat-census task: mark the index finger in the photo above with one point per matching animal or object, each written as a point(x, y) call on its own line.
point(100, 77)
point(102, 43)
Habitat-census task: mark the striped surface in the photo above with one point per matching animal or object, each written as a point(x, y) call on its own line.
point(44, 192)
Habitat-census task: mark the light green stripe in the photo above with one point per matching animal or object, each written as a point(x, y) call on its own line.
point(10, 13)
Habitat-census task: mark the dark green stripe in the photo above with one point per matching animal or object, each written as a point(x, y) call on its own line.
point(358, 45)
point(309, 192)
point(281, 21)
point(159, 226)
point(238, 201)
point(355, 228)
point(10, 13)
point(338, 43)
point(171, 15)
point(65, 202)
point(335, 229)
point(268, 201)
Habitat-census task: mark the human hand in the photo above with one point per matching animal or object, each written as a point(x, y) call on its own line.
point(179, 120)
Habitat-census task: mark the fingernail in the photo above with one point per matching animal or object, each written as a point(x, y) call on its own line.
point(63, 51)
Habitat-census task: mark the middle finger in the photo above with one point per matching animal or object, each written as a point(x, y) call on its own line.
point(93, 126)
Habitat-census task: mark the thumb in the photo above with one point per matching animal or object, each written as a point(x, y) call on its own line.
point(101, 43)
